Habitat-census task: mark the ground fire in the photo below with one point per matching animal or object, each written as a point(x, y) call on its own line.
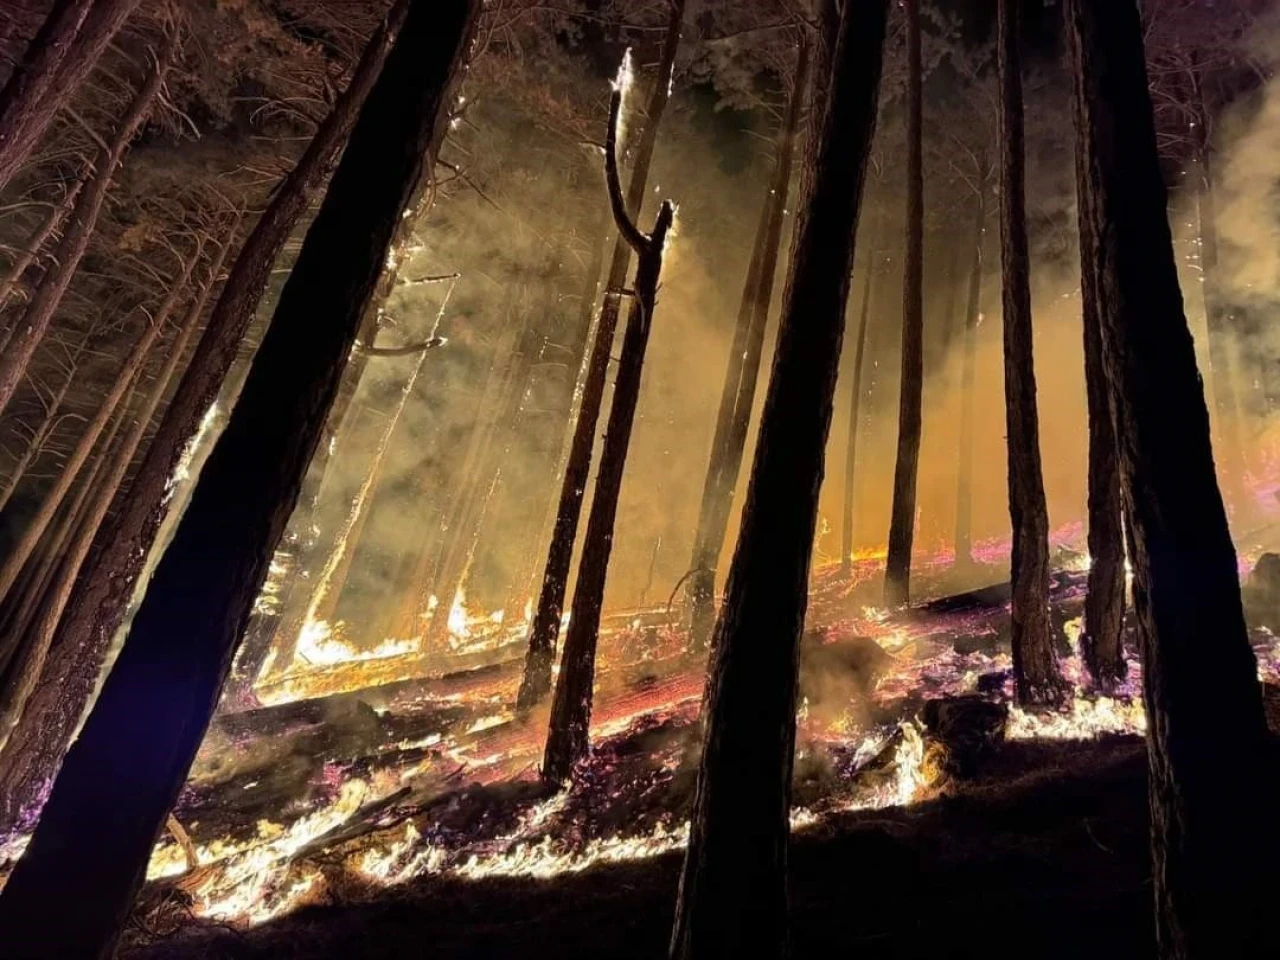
point(687, 478)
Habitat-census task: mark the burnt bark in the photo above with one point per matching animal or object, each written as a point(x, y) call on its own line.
point(71, 892)
point(902, 520)
point(103, 592)
point(30, 330)
point(1211, 762)
point(545, 630)
point(855, 405)
point(732, 899)
point(568, 734)
point(1035, 667)
point(968, 371)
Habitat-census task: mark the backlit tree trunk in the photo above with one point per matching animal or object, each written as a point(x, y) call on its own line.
point(968, 372)
point(1211, 763)
point(102, 594)
point(855, 404)
point(567, 736)
point(902, 521)
point(1035, 667)
point(75, 240)
point(71, 892)
point(732, 899)
point(536, 680)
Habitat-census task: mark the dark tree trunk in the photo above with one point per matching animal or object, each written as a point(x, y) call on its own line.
point(735, 444)
point(102, 593)
point(968, 371)
point(71, 892)
point(568, 734)
point(75, 241)
point(536, 681)
point(1102, 641)
point(22, 115)
point(1035, 667)
point(855, 405)
point(902, 521)
point(1211, 761)
point(733, 890)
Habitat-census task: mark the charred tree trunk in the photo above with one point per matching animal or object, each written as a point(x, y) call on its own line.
point(732, 899)
point(568, 735)
point(902, 522)
point(1102, 640)
point(71, 892)
point(75, 241)
point(1035, 667)
point(1211, 761)
point(536, 681)
point(22, 115)
point(968, 371)
point(739, 425)
point(102, 594)
point(855, 404)
point(52, 224)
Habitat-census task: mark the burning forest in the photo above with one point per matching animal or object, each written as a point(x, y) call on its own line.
point(700, 478)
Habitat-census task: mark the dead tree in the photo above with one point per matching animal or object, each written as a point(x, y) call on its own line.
point(732, 899)
point(1211, 762)
point(902, 522)
point(157, 701)
point(102, 593)
point(545, 629)
point(75, 241)
point(729, 445)
point(1035, 667)
point(855, 412)
point(568, 734)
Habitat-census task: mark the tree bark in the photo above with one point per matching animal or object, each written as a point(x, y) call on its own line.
point(732, 900)
point(568, 734)
point(725, 479)
point(1035, 667)
point(21, 119)
point(545, 630)
point(968, 371)
point(902, 522)
point(75, 241)
point(71, 892)
point(1211, 761)
point(103, 592)
point(855, 404)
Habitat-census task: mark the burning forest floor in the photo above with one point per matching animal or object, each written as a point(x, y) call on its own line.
point(372, 807)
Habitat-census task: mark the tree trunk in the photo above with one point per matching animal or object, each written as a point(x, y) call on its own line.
point(968, 370)
point(75, 241)
point(568, 734)
point(22, 116)
point(71, 892)
point(902, 523)
point(1102, 640)
point(1035, 667)
point(855, 403)
point(1211, 762)
point(41, 434)
point(102, 594)
point(719, 503)
point(732, 899)
point(536, 680)
point(52, 224)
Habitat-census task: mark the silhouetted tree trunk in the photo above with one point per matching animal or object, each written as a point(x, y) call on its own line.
point(568, 734)
point(1212, 763)
point(855, 403)
point(71, 893)
point(728, 450)
point(536, 680)
point(1035, 667)
point(102, 593)
point(902, 522)
point(732, 899)
point(23, 115)
point(53, 223)
point(968, 370)
point(1102, 640)
point(31, 328)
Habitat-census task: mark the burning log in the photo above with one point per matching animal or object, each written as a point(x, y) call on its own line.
point(967, 730)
